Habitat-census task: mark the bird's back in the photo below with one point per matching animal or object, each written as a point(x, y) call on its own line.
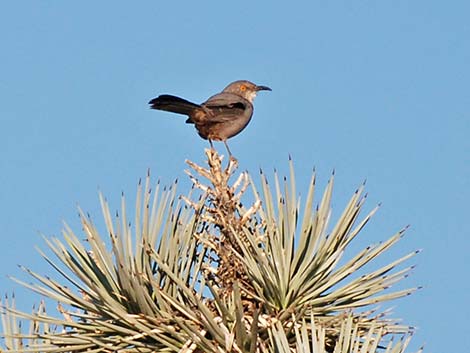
point(229, 114)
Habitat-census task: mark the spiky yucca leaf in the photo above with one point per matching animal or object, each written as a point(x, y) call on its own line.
point(301, 257)
point(312, 338)
point(208, 274)
point(118, 294)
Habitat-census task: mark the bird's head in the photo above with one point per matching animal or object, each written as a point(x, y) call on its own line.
point(246, 89)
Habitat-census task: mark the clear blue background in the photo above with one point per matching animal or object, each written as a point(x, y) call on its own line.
point(373, 89)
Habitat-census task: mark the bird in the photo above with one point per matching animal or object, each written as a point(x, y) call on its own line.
point(219, 118)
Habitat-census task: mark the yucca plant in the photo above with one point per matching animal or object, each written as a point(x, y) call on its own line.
point(213, 272)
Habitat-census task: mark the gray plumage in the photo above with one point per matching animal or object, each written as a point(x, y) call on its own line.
point(219, 118)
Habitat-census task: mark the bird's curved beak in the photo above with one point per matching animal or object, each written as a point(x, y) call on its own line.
point(263, 88)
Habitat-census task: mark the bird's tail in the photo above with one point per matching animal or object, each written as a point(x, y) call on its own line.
point(173, 104)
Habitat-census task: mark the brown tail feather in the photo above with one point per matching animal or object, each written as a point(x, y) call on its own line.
point(173, 104)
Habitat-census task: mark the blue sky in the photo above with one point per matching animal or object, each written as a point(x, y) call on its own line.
point(376, 90)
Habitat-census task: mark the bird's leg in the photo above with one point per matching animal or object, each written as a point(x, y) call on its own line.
point(228, 150)
point(212, 146)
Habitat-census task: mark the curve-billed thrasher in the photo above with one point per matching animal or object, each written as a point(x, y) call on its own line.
point(220, 117)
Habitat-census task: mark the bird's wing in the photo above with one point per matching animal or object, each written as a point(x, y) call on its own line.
point(226, 106)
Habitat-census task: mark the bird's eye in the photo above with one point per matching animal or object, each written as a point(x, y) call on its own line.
point(242, 88)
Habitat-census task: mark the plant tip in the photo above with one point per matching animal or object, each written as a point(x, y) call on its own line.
point(405, 228)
